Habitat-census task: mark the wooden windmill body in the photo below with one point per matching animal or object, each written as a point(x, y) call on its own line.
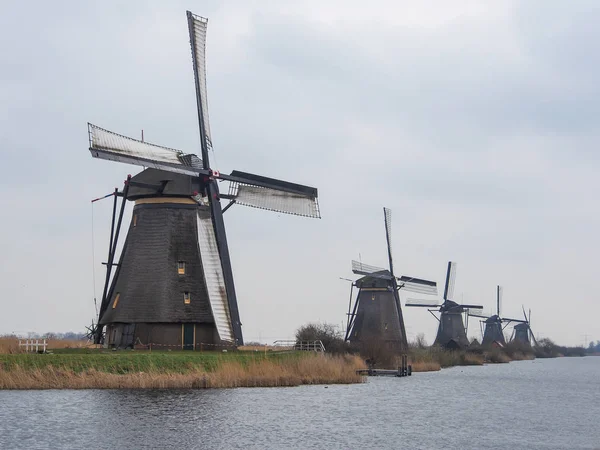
point(172, 285)
point(451, 332)
point(376, 318)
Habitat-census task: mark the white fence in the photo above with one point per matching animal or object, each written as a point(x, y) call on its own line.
point(309, 346)
point(33, 345)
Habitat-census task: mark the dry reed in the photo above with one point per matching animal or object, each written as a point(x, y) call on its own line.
point(426, 366)
point(10, 345)
point(313, 369)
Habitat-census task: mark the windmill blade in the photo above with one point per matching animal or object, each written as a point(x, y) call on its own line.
point(450, 277)
point(422, 303)
point(197, 27)
point(508, 320)
point(273, 195)
point(478, 308)
point(387, 218)
point(481, 316)
point(525, 315)
point(111, 146)
point(499, 291)
point(360, 268)
point(214, 277)
point(532, 336)
point(417, 285)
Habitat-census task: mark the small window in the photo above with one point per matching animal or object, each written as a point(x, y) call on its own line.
point(186, 298)
point(135, 220)
point(181, 267)
point(116, 300)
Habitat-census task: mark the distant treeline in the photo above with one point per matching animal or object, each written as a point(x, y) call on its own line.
point(68, 336)
point(546, 348)
point(593, 348)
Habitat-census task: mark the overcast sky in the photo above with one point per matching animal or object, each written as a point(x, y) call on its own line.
point(475, 122)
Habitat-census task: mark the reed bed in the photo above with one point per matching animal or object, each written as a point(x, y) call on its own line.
point(425, 366)
point(228, 373)
point(518, 356)
point(497, 356)
point(433, 359)
point(9, 346)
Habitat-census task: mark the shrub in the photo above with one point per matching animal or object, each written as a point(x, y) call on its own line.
point(325, 332)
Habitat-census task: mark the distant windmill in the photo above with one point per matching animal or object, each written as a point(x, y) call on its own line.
point(173, 283)
point(494, 328)
point(377, 314)
point(522, 331)
point(452, 332)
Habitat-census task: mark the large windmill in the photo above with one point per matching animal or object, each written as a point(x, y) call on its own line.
point(377, 315)
point(494, 324)
point(522, 331)
point(173, 283)
point(452, 332)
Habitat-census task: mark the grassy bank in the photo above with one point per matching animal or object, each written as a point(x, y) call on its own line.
point(133, 370)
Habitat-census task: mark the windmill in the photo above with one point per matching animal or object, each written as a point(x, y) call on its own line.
point(377, 315)
point(452, 332)
point(522, 331)
point(494, 328)
point(173, 283)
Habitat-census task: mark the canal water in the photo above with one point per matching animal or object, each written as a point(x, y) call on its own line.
point(542, 404)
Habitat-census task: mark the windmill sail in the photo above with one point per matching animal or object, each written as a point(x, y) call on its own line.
point(360, 268)
point(499, 291)
point(421, 303)
point(273, 195)
point(418, 285)
point(213, 276)
point(387, 217)
point(111, 146)
point(197, 28)
point(450, 277)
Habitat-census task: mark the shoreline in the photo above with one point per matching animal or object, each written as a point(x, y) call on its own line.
point(95, 368)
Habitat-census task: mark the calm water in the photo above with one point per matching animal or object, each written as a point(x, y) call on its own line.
point(543, 404)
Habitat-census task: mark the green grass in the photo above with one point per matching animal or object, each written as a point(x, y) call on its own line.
point(122, 362)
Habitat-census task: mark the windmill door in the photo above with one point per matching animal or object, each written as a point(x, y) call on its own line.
point(128, 334)
point(188, 336)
